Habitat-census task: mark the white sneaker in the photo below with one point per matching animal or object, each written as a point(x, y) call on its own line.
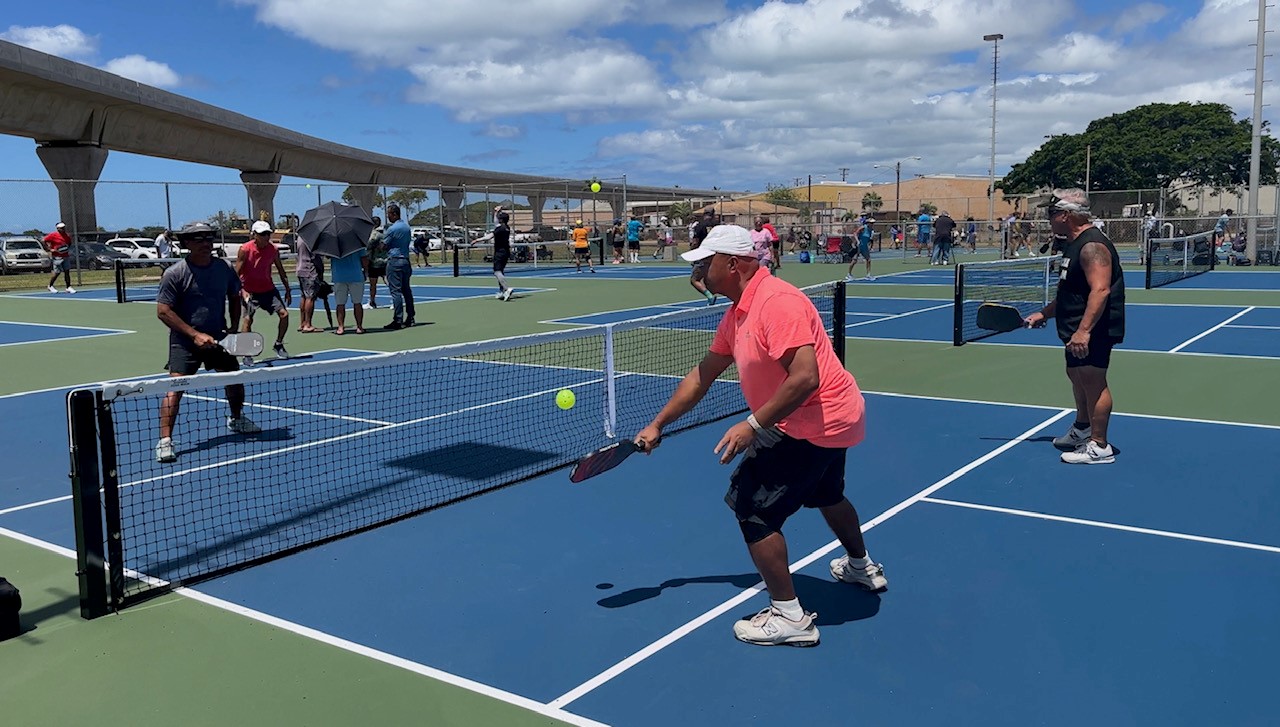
point(871, 578)
point(498, 295)
point(771, 628)
point(1073, 438)
point(848, 278)
point(279, 350)
point(164, 450)
point(242, 425)
point(1090, 453)
point(506, 295)
point(869, 278)
point(71, 289)
point(52, 289)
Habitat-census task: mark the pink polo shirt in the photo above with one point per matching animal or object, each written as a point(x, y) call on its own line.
point(772, 318)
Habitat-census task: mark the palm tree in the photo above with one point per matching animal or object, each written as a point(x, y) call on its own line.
point(871, 202)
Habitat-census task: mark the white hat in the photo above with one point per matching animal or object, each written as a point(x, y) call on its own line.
point(260, 227)
point(61, 225)
point(725, 239)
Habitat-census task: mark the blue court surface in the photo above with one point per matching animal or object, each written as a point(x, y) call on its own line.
point(18, 333)
point(1133, 278)
point(625, 271)
point(1022, 591)
point(1219, 330)
point(421, 293)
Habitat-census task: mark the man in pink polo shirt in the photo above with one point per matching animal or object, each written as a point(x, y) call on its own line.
point(806, 411)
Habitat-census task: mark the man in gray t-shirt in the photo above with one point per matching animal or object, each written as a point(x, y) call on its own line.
point(310, 271)
point(195, 298)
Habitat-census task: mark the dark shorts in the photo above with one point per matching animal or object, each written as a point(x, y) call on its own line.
point(582, 253)
point(774, 483)
point(187, 361)
point(268, 301)
point(1099, 354)
point(378, 271)
point(307, 286)
point(500, 262)
point(633, 244)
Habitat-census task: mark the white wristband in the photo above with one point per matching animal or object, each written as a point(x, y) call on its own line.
point(751, 419)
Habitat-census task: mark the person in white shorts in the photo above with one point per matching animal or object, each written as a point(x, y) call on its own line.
point(348, 275)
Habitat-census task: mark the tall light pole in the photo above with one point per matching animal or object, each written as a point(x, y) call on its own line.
point(897, 185)
point(995, 39)
point(1255, 149)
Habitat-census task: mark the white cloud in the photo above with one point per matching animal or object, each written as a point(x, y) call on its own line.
point(501, 131)
point(65, 41)
point(1081, 51)
point(1138, 16)
point(141, 69)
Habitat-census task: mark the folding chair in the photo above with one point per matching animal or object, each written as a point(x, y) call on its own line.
point(831, 251)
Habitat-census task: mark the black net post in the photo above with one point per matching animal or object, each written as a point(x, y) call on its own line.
point(957, 331)
point(1147, 282)
point(838, 320)
point(120, 291)
point(457, 265)
point(82, 431)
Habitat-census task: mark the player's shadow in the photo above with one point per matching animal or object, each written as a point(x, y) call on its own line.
point(278, 434)
point(835, 603)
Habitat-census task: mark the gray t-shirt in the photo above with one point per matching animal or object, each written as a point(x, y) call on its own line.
point(199, 296)
point(310, 265)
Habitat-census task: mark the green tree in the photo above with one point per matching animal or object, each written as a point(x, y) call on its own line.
point(929, 208)
point(1149, 147)
point(871, 202)
point(224, 220)
point(781, 195)
point(681, 211)
point(409, 199)
point(38, 234)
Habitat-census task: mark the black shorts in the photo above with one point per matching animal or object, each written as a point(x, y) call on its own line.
point(378, 271)
point(187, 361)
point(268, 301)
point(774, 483)
point(582, 253)
point(633, 244)
point(500, 262)
point(1099, 354)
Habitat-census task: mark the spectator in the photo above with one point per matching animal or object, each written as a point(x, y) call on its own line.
point(59, 245)
point(309, 271)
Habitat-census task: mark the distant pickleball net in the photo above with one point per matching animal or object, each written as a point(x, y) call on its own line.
point(1172, 259)
point(348, 445)
point(1026, 284)
point(524, 257)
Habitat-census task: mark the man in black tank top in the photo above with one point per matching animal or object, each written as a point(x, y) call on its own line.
point(1089, 308)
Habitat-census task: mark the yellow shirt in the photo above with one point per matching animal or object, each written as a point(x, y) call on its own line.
point(580, 237)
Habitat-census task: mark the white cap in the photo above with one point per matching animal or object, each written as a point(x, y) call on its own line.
point(61, 225)
point(725, 239)
point(261, 226)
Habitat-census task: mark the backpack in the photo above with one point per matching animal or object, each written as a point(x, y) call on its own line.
point(804, 256)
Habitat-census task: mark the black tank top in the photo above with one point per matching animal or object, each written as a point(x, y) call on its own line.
point(1073, 291)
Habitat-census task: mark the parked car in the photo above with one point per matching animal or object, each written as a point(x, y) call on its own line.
point(95, 256)
point(23, 253)
point(138, 248)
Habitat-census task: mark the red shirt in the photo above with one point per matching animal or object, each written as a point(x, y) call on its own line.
point(255, 272)
point(775, 317)
point(58, 243)
point(769, 226)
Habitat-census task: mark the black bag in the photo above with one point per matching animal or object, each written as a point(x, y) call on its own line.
point(323, 289)
point(10, 604)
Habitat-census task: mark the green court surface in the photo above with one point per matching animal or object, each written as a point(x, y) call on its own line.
point(179, 659)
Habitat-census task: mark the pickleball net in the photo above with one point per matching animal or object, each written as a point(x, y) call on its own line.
point(347, 445)
point(1024, 283)
point(526, 257)
point(1178, 258)
point(139, 280)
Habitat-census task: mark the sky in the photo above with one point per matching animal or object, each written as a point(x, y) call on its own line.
point(697, 93)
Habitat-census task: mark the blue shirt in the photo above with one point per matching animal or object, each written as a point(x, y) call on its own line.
point(397, 238)
point(925, 223)
point(633, 230)
point(864, 235)
point(348, 269)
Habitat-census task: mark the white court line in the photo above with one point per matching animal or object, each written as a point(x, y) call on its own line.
point(60, 325)
point(350, 646)
point(609, 674)
point(1105, 525)
point(1260, 328)
point(1193, 339)
point(898, 315)
point(290, 410)
point(65, 338)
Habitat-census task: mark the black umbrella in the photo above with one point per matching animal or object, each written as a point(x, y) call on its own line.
point(335, 230)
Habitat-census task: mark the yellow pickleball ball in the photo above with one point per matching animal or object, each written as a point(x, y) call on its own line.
point(595, 187)
point(565, 399)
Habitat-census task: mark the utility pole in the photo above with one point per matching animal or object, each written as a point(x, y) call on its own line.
point(844, 174)
point(994, 39)
point(1255, 151)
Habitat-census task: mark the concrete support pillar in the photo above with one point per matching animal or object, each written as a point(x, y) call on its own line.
point(74, 170)
point(537, 203)
point(453, 199)
point(261, 187)
point(364, 195)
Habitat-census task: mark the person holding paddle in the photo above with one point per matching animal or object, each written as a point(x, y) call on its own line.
point(1089, 307)
point(196, 295)
point(807, 411)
